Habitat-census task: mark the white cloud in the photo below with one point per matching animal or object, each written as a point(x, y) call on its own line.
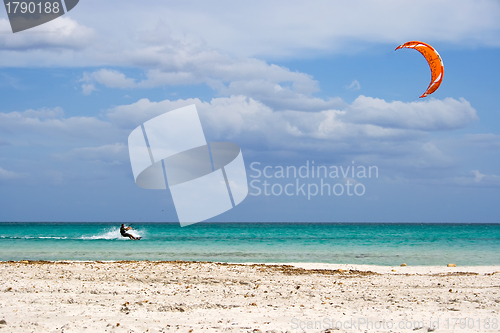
point(261, 106)
point(298, 135)
point(257, 127)
point(61, 33)
point(42, 113)
point(365, 118)
point(254, 125)
point(132, 115)
point(287, 27)
point(51, 123)
point(428, 115)
point(197, 46)
point(280, 97)
point(274, 85)
point(354, 86)
point(181, 61)
point(87, 89)
point(228, 35)
point(109, 78)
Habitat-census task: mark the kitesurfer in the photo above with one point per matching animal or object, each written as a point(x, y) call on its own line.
point(124, 233)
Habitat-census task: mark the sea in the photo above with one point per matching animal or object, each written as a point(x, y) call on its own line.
point(386, 244)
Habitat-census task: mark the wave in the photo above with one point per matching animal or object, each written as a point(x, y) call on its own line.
point(33, 237)
point(110, 234)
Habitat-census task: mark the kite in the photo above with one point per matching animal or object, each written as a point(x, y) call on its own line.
point(434, 60)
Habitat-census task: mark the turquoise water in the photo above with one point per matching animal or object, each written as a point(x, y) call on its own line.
point(342, 243)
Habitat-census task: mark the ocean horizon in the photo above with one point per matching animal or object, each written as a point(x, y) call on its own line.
point(385, 244)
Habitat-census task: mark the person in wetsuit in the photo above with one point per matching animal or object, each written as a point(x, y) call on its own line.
point(124, 233)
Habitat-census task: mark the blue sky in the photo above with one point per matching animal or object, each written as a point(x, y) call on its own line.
point(289, 82)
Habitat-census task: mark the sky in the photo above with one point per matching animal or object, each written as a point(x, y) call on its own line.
point(293, 83)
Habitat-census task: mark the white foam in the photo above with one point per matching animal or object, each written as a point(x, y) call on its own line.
point(111, 234)
point(51, 237)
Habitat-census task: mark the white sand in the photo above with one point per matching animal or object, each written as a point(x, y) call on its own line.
point(210, 297)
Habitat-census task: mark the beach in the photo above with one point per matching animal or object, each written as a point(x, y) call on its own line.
point(155, 296)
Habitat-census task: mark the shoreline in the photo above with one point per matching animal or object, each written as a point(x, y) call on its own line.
point(395, 269)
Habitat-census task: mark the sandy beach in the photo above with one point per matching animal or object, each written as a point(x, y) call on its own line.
point(217, 297)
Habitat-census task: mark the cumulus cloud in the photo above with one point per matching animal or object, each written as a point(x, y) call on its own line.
point(255, 125)
point(61, 33)
point(181, 62)
point(51, 123)
point(87, 89)
point(109, 78)
point(283, 28)
point(45, 146)
point(132, 115)
point(364, 118)
point(274, 85)
point(204, 50)
point(429, 115)
point(260, 105)
point(42, 113)
point(279, 97)
point(137, 36)
point(405, 144)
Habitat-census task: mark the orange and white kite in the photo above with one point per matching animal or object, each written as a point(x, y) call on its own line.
point(434, 60)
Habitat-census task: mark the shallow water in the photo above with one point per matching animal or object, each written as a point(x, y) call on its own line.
point(343, 243)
